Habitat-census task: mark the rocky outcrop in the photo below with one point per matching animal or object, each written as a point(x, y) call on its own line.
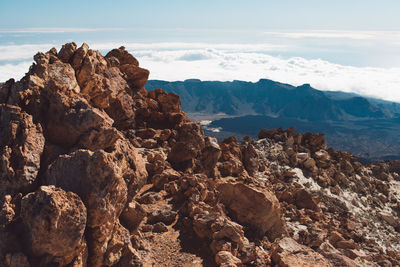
point(21, 146)
point(97, 171)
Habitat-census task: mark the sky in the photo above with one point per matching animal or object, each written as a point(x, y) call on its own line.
point(351, 46)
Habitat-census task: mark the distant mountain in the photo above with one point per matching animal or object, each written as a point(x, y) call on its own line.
point(275, 99)
point(367, 127)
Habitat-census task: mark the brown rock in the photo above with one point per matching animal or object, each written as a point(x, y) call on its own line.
point(7, 212)
point(226, 259)
point(258, 208)
point(287, 252)
point(132, 215)
point(119, 243)
point(304, 199)
point(66, 52)
point(250, 159)
point(131, 164)
point(97, 178)
point(79, 55)
point(165, 216)
point(56, 221)
point(210, 156)
point(21, 145)
point(123, 56)
point(337, 259)
point(135, 76)
point(189, 145)
point(169, 102)
point(5, 89)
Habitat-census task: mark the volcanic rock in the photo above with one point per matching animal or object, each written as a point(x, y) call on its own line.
point(55, 221)
point(258, 208)
point(21, 145)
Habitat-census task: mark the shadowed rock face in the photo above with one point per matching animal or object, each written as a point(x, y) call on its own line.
point(21, 143)
point(97, 171)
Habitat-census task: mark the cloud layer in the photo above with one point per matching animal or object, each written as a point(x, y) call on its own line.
point(226, 62)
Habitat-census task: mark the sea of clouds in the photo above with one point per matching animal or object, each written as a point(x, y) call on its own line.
point(226, 62)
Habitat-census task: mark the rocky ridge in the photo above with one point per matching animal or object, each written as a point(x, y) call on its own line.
point(97, 171)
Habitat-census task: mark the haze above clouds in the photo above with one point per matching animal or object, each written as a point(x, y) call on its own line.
point(351, 46)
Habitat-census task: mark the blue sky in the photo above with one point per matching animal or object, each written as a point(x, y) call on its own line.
point(351, 46)
point(216, 14)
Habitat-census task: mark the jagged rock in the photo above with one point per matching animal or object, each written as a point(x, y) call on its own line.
point(287, 252)
point(231, 159)
point(122, 56)
point(165, 216)
point(250, 159)
point(304, 199)
point(21, 145)
point(210, 156)
point(55, 221)
point(97, 178)
point(189, 145)
point(135, 76)
point(202, 224)
point(66, 52)
point(167, 175)
point(131, 164)
point(132, 215)
point(337, 259)
point(258, 208)
point(226, 259)
point(5, 89)
point(118, 244)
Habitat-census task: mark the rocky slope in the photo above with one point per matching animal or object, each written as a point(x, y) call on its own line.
point(97, 171)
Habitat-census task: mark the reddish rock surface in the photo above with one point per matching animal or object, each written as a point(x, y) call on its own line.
point(97, 171)
point(55, 221)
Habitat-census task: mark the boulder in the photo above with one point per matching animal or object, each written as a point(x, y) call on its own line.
point(258, 208)
point(55, 221)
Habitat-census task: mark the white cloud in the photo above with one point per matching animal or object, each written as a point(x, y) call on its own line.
point(228, 65)
point(25, 51)
point(172, 46)
point(226, 62)
point(16, 71)
point(338, 34)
